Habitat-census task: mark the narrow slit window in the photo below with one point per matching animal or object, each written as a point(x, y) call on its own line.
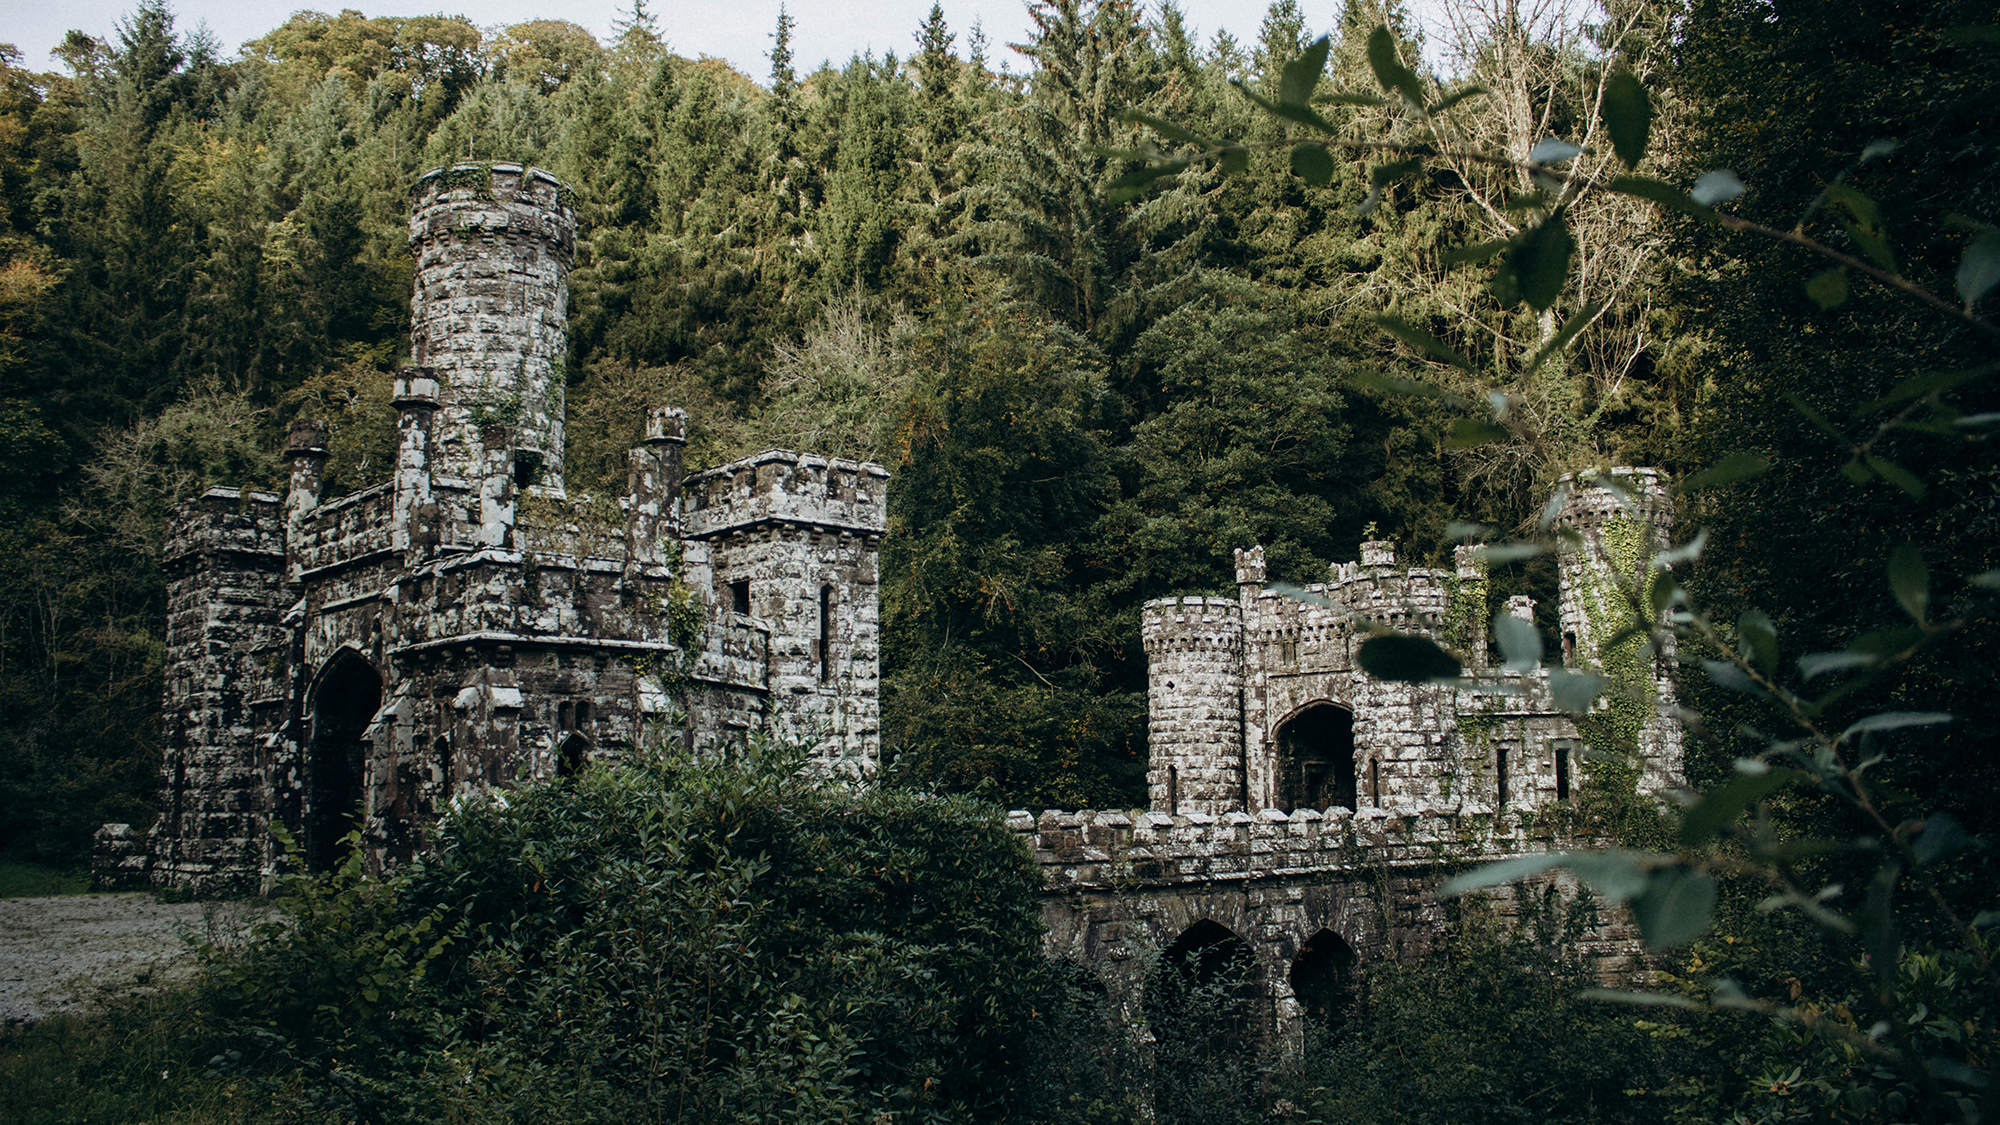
point(1375, 783)
point(1562, 770)
point(739, 596)
point(1500, 779)
point(825, 633)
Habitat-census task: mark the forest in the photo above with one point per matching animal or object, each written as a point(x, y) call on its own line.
point(1098, 351)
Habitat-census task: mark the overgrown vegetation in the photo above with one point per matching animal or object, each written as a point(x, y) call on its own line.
point(1090, 393)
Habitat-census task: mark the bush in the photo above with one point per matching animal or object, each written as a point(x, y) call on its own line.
point(686, 938)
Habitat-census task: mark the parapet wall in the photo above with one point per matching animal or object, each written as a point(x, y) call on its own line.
point(1108, 850)
point(780, 486)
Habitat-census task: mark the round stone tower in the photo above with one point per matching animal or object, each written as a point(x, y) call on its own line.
point(1621, 525)
point(1194, 702)
point(489, 315)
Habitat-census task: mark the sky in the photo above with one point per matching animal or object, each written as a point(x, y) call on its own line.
point(736, 30)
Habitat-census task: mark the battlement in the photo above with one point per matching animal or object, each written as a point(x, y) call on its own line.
point(779, 486)
point(1589, 505)
point(493, 202)
point(1192, 624)
point(226, 521)
point(1113, 849)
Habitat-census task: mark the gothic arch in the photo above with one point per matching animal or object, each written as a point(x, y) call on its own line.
point(572, 756)
point(1322, 979)
point(344, 698)
point(1315, 757)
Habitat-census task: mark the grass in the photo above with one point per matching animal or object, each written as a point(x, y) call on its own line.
point(32, 880)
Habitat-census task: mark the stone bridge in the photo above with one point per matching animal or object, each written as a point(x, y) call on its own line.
point(1301, 899)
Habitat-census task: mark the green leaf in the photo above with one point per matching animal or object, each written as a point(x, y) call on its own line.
point(1302, 114)
point(1628, 116)
point(1501, 553)
point(1134, 183)
point(1389, 69)
point(1732, 467)
point(1574, 692)
point(1719, 186)
point(1660, 594)
point(1553, 150)
point(1979, 270)
point(1675, 907)
point(1662, 193)
point(1469, 432)
point(1382, 175)
point(1815, 417)
point(1730, 676)
point(1829, 290)
point(1478, 252)
point(1541, 261)
point(1407, 659)
point(1396, 385)
point(1878, 148)
point(1614, 875)
point(1722, 805)
point(1423, 341)
point(1301, 75)
point(1344, 98)
point(1166, 128)
point(1986, 580)
point(1758, 638)
point(1887, 643)
point(1897, 475)
point(1235, 160)
point(1644, 999)
point(1502, 872)
point(1815, 664)
point(1520, 642)
point(1313, 164)
point(1895, 720)
point(1910, 581)
point(1940, 837)
point(1918, 386)
point(1569, 331)
point(1466, 94)
point(1866, 228)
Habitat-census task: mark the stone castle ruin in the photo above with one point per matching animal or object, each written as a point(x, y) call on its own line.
point(366, 660)
point(1301, 813)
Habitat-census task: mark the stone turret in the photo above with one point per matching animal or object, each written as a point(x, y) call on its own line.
point(1194, 693)
point(493, 245)
point(1620, 525)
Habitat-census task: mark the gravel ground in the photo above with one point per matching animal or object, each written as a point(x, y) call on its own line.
point(59, 953)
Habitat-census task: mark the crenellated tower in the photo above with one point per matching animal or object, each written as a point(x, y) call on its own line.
point(1620, 525)
point(1194, 701)
point(493, 246)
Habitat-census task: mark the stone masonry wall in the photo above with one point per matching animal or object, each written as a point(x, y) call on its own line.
point(225, 568)
point(493, 245)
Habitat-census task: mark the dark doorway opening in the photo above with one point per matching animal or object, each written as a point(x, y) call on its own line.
point(1316, 759)
point(1322, 979)
point(572, 756)
point(348, 695)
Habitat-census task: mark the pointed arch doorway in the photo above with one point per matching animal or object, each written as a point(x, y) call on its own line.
point(344, 701)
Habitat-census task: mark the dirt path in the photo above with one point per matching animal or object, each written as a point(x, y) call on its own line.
point(58, 953)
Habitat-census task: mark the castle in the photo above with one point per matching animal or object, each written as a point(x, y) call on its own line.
point(362, 661)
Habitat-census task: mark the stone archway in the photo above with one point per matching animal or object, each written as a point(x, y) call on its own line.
point(344, 702)
point(1206, 1007)
point(1322, 979)
point(1316, 759)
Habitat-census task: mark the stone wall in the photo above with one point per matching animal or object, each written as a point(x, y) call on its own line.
point(493, 245)
point(224, 563)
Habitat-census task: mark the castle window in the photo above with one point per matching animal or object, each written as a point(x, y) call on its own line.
point(825, 633)
point(1375, 784)
point(582, 715)
point(571, 756)
point(1316, 759)
point(739, 596)
point(1173, 790)
point(565, 716)
point(1500, 779)
point(1569, 647)
point(1562, 751)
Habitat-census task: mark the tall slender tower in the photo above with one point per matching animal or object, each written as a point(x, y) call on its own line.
point(493, 245)
point(1620, 528)
point(1194, 703)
